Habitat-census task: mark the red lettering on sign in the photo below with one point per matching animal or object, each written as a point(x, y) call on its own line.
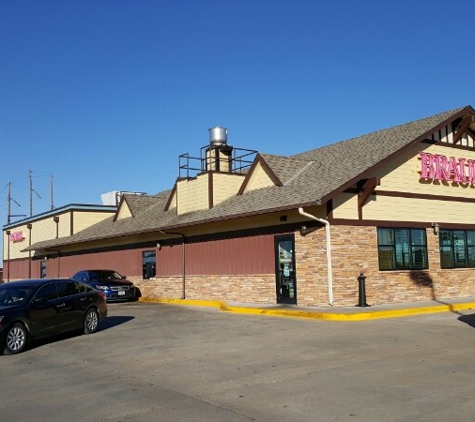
point(439, 167)
point(17, 237)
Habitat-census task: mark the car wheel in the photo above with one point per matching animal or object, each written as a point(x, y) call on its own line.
point(91, 321)
point(16, 339)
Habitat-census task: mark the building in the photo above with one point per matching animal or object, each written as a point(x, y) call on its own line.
point(55, 224)
point(243, 226)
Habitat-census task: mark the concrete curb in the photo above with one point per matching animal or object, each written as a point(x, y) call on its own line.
point(330, 315)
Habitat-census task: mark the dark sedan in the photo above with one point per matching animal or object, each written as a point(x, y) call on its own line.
point(33, 309)
point(115, 286)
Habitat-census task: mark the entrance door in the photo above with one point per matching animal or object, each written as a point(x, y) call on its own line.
point(286, 281)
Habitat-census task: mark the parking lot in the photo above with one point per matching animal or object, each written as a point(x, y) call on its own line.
point(155, 362)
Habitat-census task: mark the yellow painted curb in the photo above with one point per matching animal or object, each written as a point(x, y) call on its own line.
point(329, 316)
point(189, 302)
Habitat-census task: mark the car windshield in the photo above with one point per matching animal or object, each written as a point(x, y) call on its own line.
point(14, 295)
point(106, 275)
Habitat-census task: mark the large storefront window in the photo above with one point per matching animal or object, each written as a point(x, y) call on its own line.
point(402, 249)
point(457, 248)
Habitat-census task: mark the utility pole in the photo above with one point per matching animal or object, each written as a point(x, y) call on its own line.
point(10, 199)
point(51, 193)
point(31, 192)
point(30, 176)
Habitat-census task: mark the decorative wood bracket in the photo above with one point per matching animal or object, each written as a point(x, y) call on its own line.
point(463, 126)
point(368, 189)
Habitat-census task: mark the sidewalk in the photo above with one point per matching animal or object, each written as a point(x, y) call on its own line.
point(331, 313)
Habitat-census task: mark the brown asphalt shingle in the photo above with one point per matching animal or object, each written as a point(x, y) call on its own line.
point(307, 178)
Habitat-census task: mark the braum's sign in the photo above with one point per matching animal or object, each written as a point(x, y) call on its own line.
point(448, 169)
point(17, 237)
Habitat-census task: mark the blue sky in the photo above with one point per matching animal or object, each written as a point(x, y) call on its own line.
point(106, 94)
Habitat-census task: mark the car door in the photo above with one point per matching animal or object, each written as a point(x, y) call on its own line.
point(46, 312)
point(74, 303)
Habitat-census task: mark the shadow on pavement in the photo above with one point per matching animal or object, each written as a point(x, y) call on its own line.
point(468, 319)
point(113, 321)
point(109, 322)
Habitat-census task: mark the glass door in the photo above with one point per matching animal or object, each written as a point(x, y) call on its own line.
point(286, 281)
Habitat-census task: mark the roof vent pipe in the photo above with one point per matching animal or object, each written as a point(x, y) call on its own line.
point(217, 136)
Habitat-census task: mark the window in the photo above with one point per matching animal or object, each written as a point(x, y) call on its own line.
point(80, 276)
point(48, 292)
point(148, 263)
point(43, 269)
point(402, 249)
point(66, 288)
point(457, 248)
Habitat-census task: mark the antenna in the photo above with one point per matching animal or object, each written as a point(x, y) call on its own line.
point(31, 192)
point(10, 199)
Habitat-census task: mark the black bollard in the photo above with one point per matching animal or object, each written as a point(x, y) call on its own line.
point(362, 291)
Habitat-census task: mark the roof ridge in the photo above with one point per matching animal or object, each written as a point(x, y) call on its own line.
point(380, 131)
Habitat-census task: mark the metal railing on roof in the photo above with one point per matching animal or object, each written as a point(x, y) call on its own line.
point(240, 161)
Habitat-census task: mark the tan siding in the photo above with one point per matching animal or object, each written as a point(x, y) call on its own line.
point(258, 179)
point(124, 211)
point(64, 225)
point(83, 220)
point(405, 177)
point(172, 201)
point(225, 186)
point(192, 195)
point(421, 210)
point(291, 216)
point(14, 247)
point(346, 206)
point(47, 228)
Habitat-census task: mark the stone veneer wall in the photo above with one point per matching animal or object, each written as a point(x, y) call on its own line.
point(246, 289)
point(354, 250)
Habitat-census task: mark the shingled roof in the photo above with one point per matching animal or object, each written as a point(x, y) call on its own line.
point(305, 179)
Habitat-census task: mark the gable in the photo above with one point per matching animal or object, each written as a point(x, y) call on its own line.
point(123, 211)
point(259, 178)
point(433, 181)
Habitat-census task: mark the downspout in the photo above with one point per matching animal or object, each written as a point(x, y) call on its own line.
point(29, 227)
point(59, 262)
point(329, 253)
point(8, 254)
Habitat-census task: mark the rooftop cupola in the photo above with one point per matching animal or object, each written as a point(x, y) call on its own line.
point(215, 176)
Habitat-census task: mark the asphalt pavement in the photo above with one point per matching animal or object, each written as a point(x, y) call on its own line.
point(202, 363)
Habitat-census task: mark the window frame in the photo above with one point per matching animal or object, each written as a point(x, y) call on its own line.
point(149, 257)
point(400, 246)
point(453, 250)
